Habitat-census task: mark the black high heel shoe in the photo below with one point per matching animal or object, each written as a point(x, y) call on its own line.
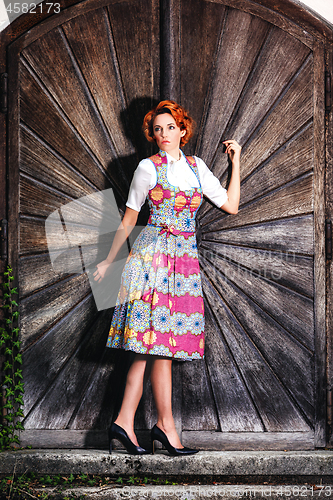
point(117, 432)
point(158, 435)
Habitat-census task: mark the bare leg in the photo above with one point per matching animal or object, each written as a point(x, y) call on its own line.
point(161, 381)
point(132, 396)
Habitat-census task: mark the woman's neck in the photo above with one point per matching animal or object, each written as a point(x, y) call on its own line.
point(176, 154)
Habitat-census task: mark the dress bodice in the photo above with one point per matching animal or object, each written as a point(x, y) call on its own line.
point(169, 205)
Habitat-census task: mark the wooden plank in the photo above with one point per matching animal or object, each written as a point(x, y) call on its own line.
point(295, 198)
point(202, 39)
point(290, 361)
point(291, 310)
point(137, 42)
point(272, 402)
point(319, 235)
point(56, 407)
point(242, 38)
point(38, 199)
point(40, 161)
point(280, 60)
point(44, 117)
point(40, 311)
point(292, 160)
point(93, 46)
point(329, 263)
point(276, 15)
point(249, 441)
point(287, 235)
point(43, 359)
point(205, 440)
point(292, 110)
point(198, 405)
point(287, 269)
point(235, 408)
point(170, 64)
point(101, 400)
point(52, 60)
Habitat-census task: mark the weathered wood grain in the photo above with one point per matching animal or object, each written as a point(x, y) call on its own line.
point(92, 43)
point(235, 408)
point(52, 60)
point(205, 440)
point(43, 359)
point(248, 441)
point(287, 269)
point(242, 38)
point(42, 115)
point(137, 43)
point(294, 159)
point(276, 410)
point(288, 115)
point(319, 235)
point(292, 235)
point(200, 40)
point(40, 161)
point(100, 401)
point(329, 263)
point(295, 198)
point(198, 405)
point(291, 310)
point(56, 407)
point(290, 361)
point(279, 61)
point(41, 311)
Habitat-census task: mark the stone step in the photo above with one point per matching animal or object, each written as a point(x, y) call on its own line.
point(305, 464)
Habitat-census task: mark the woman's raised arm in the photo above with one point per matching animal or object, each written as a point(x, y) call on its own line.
point(233, 149)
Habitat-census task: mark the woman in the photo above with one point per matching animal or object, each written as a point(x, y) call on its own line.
point(159, 311)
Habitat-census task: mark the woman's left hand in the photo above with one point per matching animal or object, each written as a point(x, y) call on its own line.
point(233, 149)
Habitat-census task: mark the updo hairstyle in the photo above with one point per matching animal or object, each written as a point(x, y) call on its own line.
point(179, 114)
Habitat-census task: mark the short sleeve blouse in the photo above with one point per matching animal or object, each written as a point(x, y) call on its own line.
point(179, 174)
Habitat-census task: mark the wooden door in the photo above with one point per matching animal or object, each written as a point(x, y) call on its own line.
point(86, 80)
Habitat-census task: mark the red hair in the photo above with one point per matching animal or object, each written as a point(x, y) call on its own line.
point(180, 115)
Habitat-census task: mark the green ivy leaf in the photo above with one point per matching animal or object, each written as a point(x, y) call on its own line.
point(19, 413)
point(8, 380)
point(8, 351)
point(9, 392)
point(19, 400)
point(19, 387)
point(18, 358)
point(18, 374)
point(9, 406)
point(9, 417)
point(14, 291)
point(7, 366)
point(14, 303)
point(15, 314)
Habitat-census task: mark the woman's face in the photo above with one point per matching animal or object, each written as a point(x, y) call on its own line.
point(166, 132)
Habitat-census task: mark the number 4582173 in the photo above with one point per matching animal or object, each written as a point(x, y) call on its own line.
point(32, 8)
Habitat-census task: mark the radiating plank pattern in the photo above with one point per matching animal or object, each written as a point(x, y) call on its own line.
point(85, 87)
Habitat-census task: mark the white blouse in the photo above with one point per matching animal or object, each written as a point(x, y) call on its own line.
point(179, 174)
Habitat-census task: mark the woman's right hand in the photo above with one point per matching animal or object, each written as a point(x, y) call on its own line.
point(101, 270)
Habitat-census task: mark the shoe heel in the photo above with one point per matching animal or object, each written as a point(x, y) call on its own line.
point(152, 446)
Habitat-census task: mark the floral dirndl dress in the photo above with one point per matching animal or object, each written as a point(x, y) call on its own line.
point(160, 308)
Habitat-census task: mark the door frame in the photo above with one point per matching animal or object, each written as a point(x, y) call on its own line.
point(292, 18)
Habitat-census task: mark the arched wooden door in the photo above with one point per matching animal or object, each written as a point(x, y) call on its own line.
point(86, 78)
